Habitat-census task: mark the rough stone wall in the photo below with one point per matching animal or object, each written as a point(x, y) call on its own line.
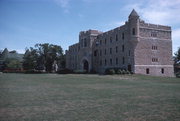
point(147, 47)
point(154, 50)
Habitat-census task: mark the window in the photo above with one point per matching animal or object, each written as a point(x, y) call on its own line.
point(133, 31)
point(147, 71)
point(85, 43)
point(100, 43)
point(105, 63)
point(82, 43)
point(110, 51)
point(154, 59)
point(100, 63)
point(123, 36)
point(105, 41)
point(122, 48)
point(116, 37)
point(123, 60)
point(116, 49)
point(162, 70)
point(154, 47)
point(153, 34)
point(116, 61)
point(129, 53)
point(110, 39)
point(95, 53)
point(100, 53)
point(111, 62)
point(105, 52)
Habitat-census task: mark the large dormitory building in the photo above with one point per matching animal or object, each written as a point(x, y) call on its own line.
point(136, 46)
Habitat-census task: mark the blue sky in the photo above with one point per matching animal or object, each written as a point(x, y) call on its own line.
point(23, 23)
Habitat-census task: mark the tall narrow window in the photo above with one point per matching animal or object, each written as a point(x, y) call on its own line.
point(100, 52)
point(111, 62)
point(110, 51)
point(123, 36)
point(100, 43)
point(105, 52)
point(110, 39)
point(129, 53)
point(100, 63)
point(105, 63)
point(105, 41)
point(133, 31)
point(85, 42)
point(123, 60)
point(116, 37)
point(116, 61)
point(147, 71)
point(116, 49)
point(122, 48)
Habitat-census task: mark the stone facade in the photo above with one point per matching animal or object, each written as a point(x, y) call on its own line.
point(136, 46)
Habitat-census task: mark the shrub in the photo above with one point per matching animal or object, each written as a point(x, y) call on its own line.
point(65, 71)
point(119, 71)
point(80, 71)
point(178, 74)
point(110, 71)
point(32, 71)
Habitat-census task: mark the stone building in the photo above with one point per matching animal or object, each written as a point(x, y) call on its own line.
point(136, 46)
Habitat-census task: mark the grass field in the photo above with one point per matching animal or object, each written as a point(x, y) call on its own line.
point(88, 98)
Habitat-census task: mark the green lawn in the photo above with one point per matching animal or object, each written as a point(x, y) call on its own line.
point(88, 98)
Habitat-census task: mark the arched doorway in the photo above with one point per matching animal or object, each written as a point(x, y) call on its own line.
point(85, 65)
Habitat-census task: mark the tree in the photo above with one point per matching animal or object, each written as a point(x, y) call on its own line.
point(30, 58)
point(177, 57)
point(13, 64)
point(43, 56)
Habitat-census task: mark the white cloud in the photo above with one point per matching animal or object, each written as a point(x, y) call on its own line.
point(64, 4)
point(158, 12)
point(176, 39)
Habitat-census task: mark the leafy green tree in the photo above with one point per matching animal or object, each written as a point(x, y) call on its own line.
point(177, 57)
point(13, 64)
point(30, 59)
point(43, 56)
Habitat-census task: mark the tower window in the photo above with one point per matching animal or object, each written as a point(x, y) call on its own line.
point(147, 71)
point(133, 31)
point(85, 43)
point(162, 70)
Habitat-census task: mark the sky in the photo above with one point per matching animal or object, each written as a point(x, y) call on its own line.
point(24, 23)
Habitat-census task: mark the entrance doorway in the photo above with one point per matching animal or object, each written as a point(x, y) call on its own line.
point(85, 65)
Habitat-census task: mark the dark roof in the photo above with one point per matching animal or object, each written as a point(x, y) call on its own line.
point(133, 14)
